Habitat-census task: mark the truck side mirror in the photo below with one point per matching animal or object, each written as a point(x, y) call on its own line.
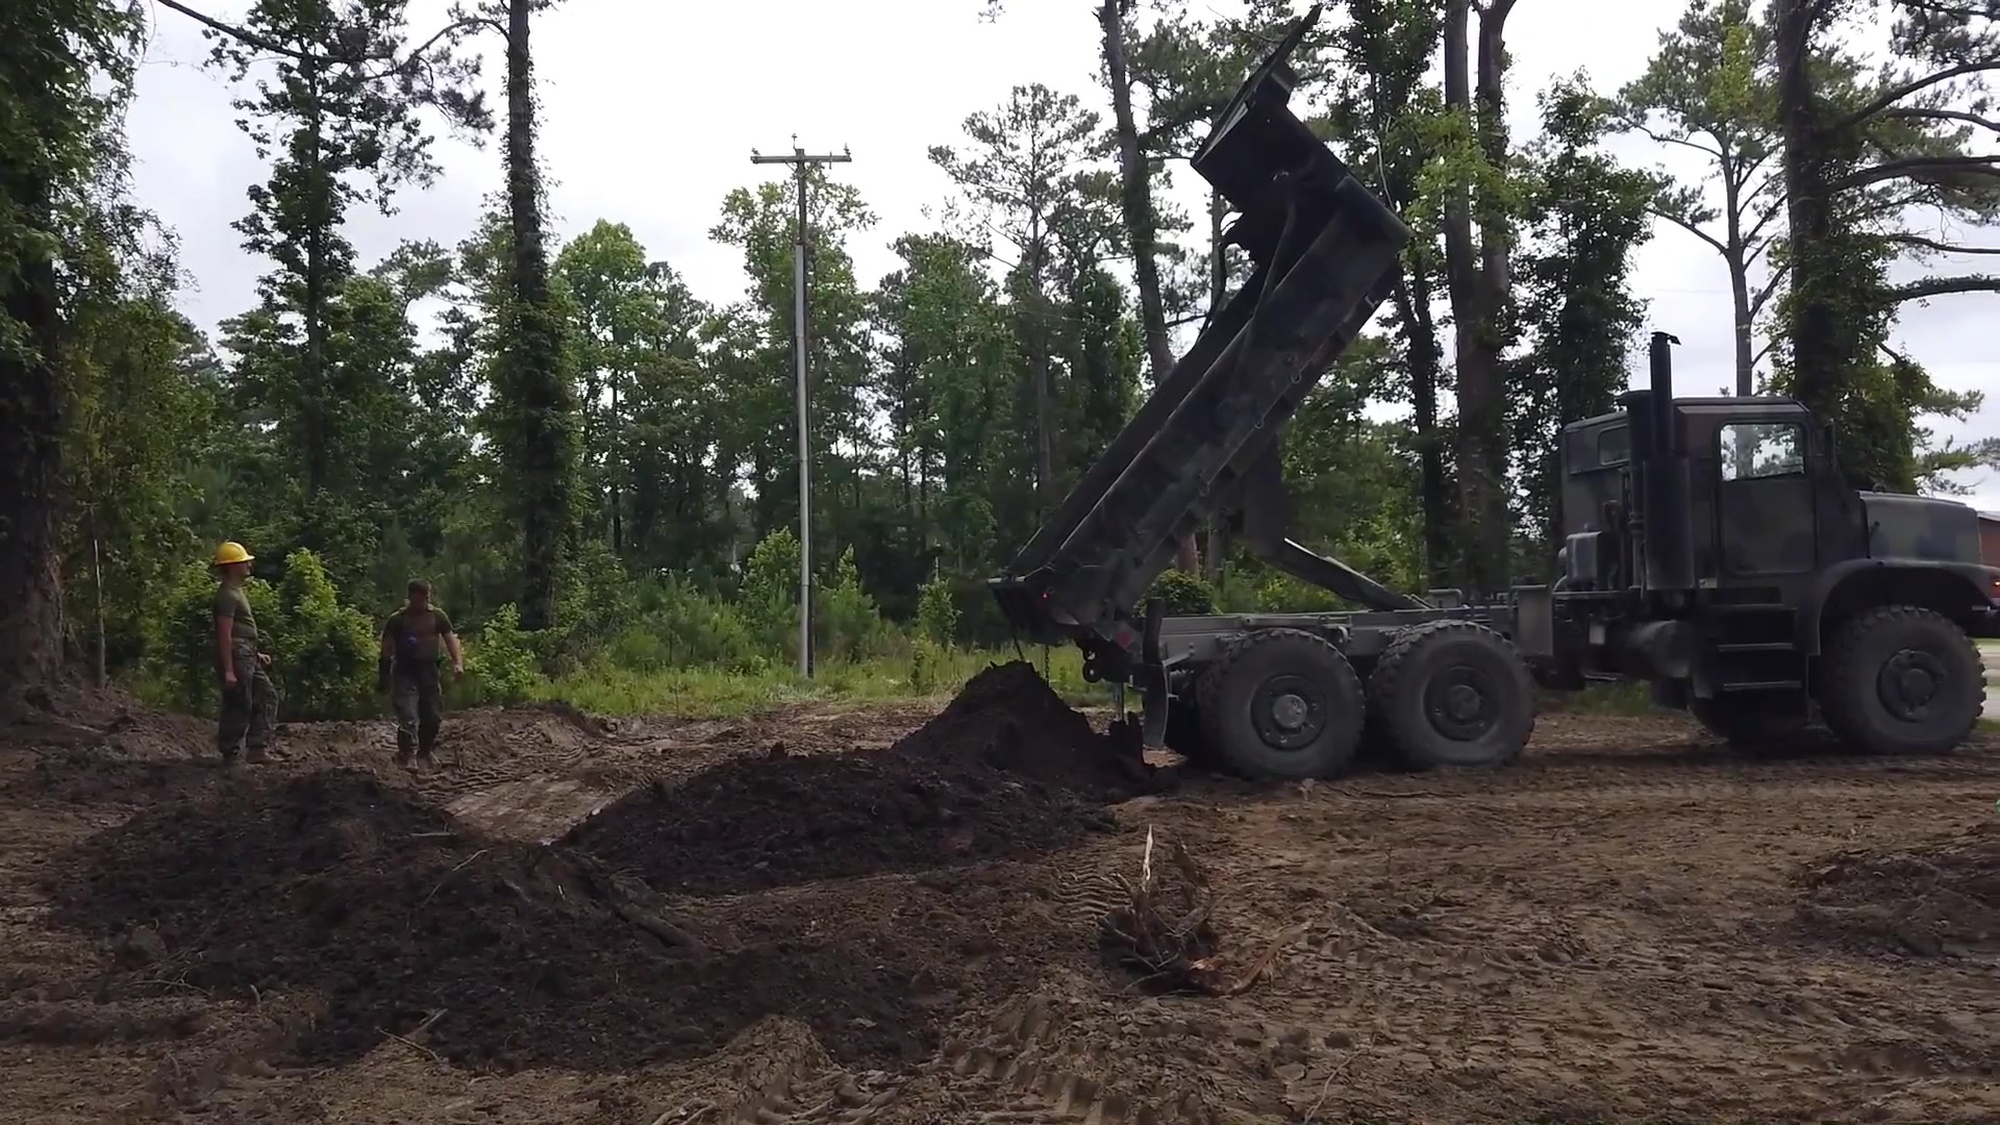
point(1826, 443)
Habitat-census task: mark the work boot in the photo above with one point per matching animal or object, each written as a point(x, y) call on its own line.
point(426, 758)
point(257, 757)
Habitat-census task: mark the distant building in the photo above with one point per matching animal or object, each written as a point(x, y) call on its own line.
point(1989, 537)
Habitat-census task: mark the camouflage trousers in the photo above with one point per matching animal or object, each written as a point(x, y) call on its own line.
point(249, 712)
point(419, 703)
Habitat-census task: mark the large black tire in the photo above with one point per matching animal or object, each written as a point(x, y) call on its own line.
point(1453, 693)
point(1740, 724)
point(1899, 679)
point(1281, 705)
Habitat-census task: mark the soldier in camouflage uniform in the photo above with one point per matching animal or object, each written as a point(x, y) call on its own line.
point(411, 642)
point(249, 700)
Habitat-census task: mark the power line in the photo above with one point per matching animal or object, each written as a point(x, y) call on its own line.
point(800, 160)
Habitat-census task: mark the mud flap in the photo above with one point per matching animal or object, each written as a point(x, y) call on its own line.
point(1151, 677)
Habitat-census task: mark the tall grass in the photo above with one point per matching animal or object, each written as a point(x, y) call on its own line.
point(930, 672)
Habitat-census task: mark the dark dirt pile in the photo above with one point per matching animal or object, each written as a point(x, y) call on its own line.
point(1940, 900)
point(102, 747)
point(1006, 771)
point(339, 885)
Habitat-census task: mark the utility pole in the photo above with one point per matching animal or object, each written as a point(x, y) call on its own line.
point(799, 159)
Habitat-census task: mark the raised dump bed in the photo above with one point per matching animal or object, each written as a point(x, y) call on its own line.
point(1325, 251)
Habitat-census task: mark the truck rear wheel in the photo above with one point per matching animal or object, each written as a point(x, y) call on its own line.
point(1900, 679)
point(1281, 705)
point(1453, 693)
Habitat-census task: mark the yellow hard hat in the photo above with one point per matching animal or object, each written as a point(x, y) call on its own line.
point(231, 552)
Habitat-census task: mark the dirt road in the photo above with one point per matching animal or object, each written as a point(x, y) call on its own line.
point(1631, 924)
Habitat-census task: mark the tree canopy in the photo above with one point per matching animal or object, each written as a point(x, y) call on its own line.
point(579, 445)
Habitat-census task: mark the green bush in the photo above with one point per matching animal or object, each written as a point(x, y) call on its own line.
point(323, 660)
point(930, 664)
point(1181, 594)
point(849, 625)
point(682, 627)
point(323, 653)
point(595, 604)
point(768, 598)
point(1281, 593)
point(500, 662)
point(937, 614)
point(179, 670)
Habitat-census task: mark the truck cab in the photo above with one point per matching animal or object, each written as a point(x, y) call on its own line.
point(1725, 526)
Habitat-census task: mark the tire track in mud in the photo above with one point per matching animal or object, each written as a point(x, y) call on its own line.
point(1015, 1070)
point(1081, 1051)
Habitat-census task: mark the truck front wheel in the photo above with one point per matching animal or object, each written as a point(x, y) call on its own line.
point(1453, 693)
point(1900, 679)
point(1281, 705)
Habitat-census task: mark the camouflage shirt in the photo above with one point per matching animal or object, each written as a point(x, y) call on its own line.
point(417, 636)
point(233, 603)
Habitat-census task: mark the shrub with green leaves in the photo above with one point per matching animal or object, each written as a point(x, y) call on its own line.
point(180, 670)
point(596, 603)
point(1181, 594)
point(769, 597)
point(324, 658)
point(679, 626)
point(937, 613)
point(850, 627)
point(322, 652)
point(500, 662)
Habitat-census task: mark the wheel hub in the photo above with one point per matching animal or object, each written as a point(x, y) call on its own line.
point(1289, 712)
point(1909, 683)
point(1462, 703)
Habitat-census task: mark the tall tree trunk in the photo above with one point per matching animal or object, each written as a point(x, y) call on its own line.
point(1814, 336)
point(1733, 256)
point(1045, 403)
point(1413, 301)
point(617, 474)
point(1478, 283)
point(315, 424)
point(1136, 181)
point(1218, 294)
point(1137, 194)
point(536, 346)
point(32, 417)
point(1462, 285)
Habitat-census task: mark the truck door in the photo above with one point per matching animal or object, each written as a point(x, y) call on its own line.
point(1764, 508)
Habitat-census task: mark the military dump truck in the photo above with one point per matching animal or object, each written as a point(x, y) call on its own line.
point(1710, 548)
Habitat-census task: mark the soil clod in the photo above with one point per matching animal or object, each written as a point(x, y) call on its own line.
point(1924, 902)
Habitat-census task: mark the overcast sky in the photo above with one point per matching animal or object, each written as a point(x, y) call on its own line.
point(651, 108)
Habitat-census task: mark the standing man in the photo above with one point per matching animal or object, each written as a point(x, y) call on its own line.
point(249, 701)
point(408, 670)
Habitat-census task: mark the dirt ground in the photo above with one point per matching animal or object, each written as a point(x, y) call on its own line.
point(892, 916)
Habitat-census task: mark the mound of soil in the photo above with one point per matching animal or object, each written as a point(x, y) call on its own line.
point(1006, 771)
point(1935, 901)
point(507, 957)
point(1007, 717)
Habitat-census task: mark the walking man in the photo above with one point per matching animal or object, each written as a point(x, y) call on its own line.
point(249, 708)
point(408, 670)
